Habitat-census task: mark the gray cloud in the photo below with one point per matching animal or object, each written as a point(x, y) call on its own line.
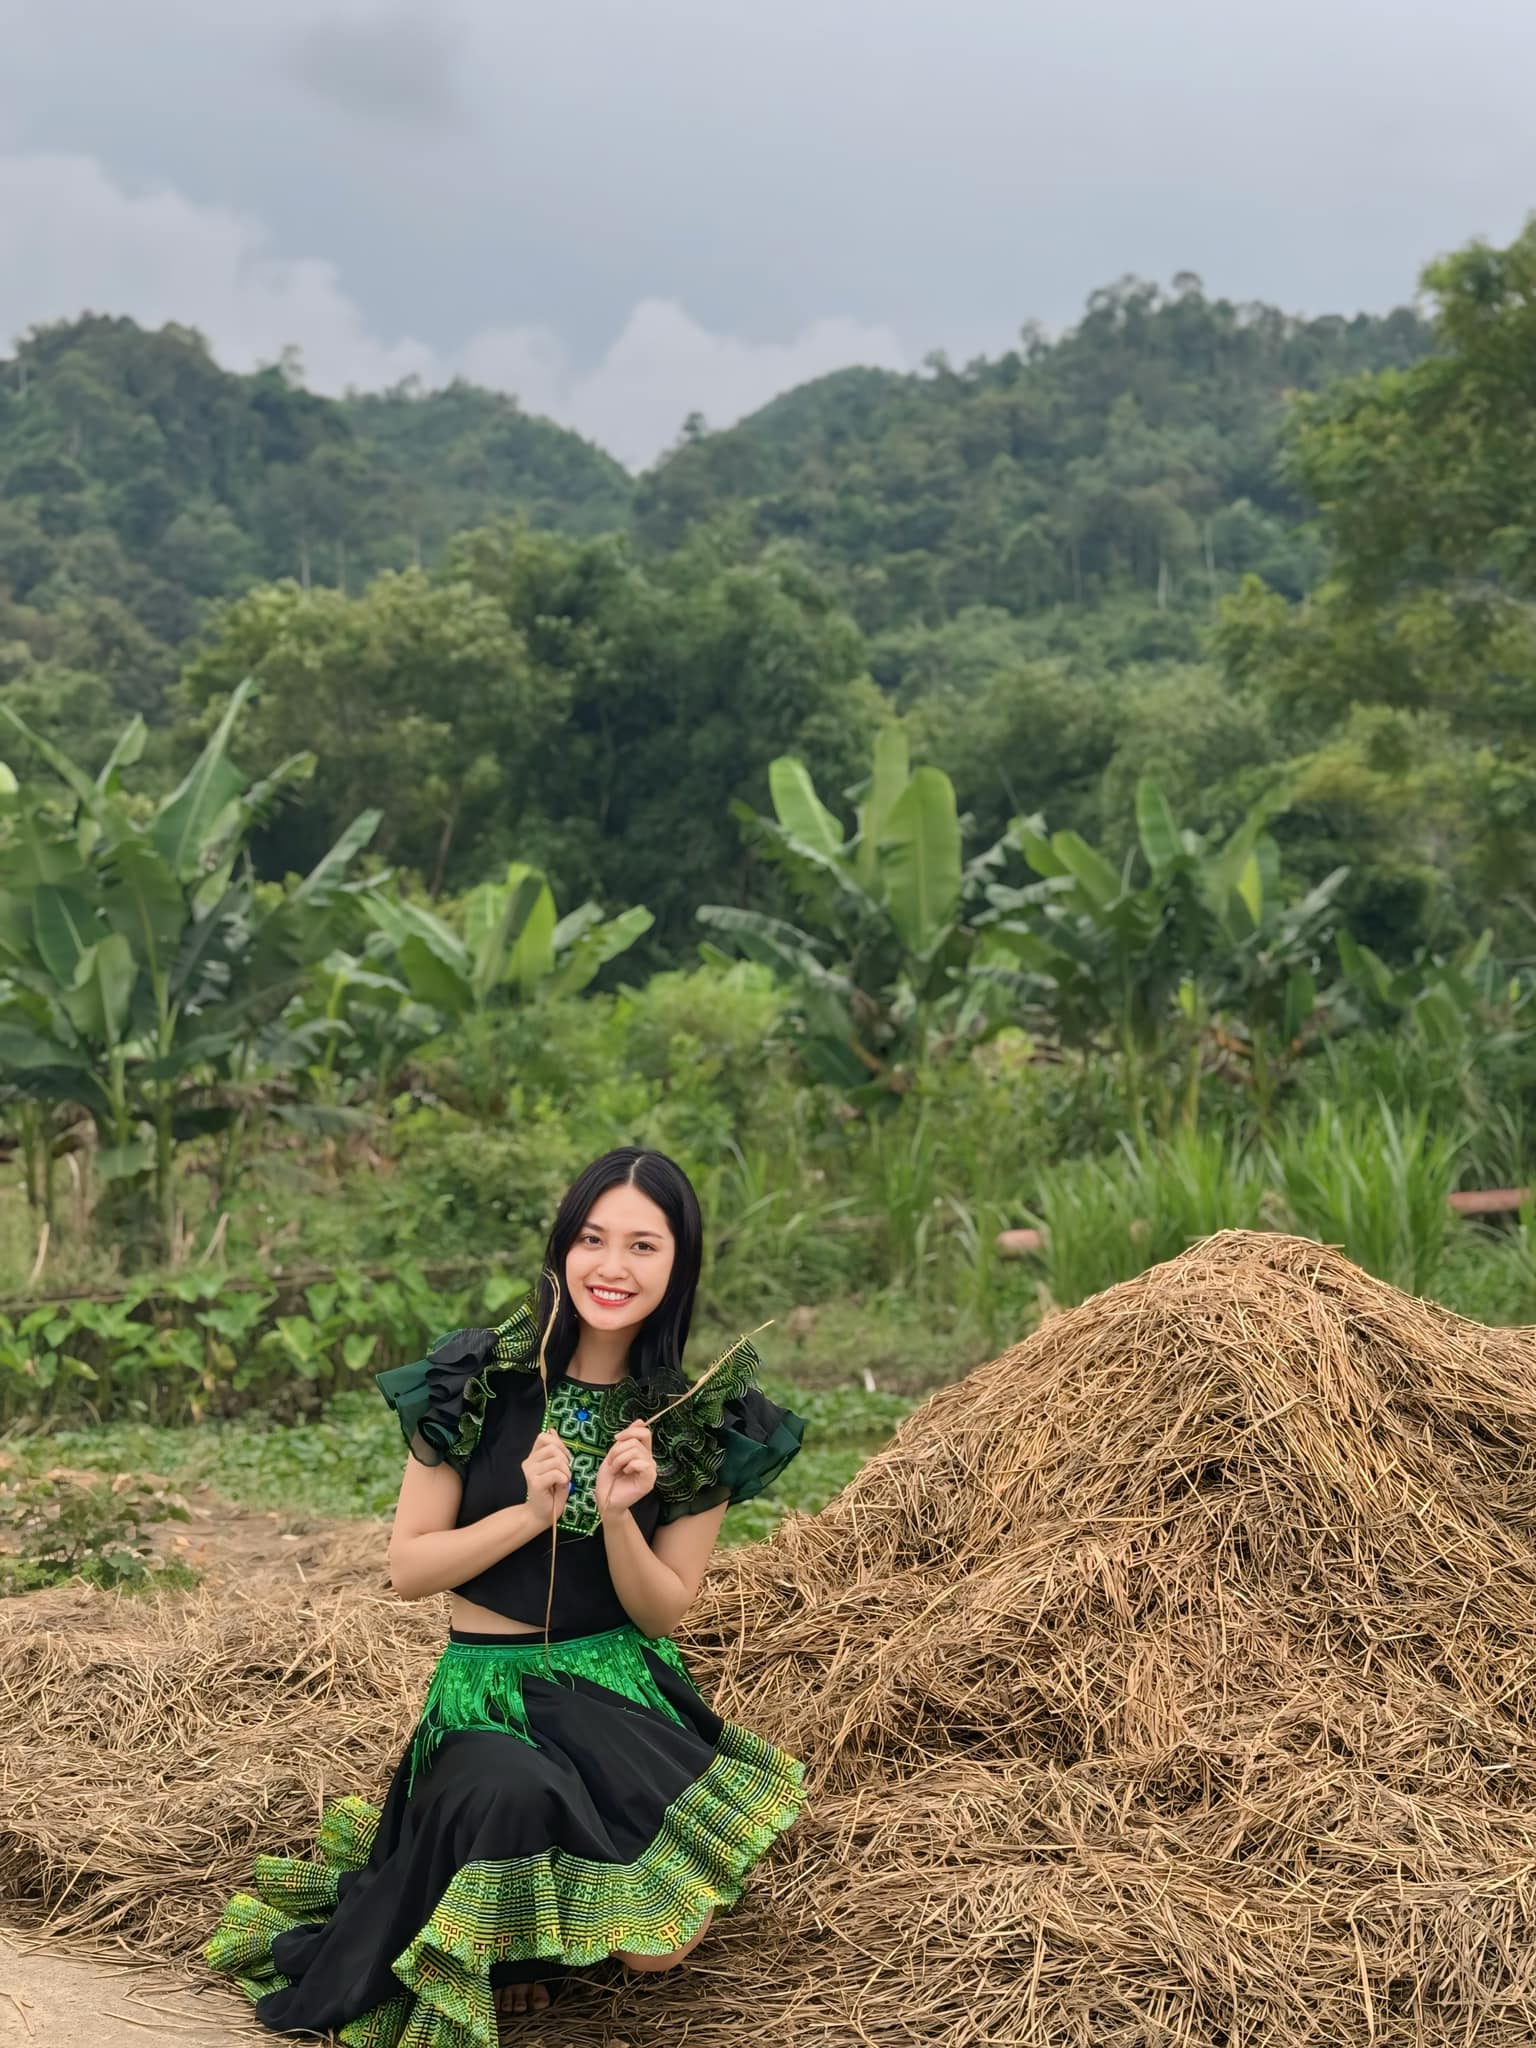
point(399, 66)
point(71, 238)
point(639, 209)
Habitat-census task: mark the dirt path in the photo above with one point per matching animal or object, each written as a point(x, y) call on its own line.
point(60, 2001)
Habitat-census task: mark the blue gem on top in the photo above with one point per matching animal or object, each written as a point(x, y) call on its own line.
point(583, 1414)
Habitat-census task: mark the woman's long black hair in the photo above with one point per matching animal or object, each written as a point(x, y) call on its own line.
point(656, 1352)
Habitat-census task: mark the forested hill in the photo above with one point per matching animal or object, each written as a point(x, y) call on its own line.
point(140, 482)
point(1138, 452)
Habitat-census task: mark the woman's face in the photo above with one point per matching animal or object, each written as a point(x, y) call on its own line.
point(620, 1260)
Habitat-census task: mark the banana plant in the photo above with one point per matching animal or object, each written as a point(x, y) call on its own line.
point(513, 947)
point(878, 958)
point(1185, 931)
point(141, 963)
point(1446, 1001)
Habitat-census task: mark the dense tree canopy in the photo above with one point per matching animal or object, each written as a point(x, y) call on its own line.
point(1254, 557)
point(1410, 676)
point(549, 699)
point(140, 483)
point(1136, 453)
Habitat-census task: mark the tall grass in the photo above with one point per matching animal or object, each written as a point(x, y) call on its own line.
point(1107, 1219)
point(1374, 1181)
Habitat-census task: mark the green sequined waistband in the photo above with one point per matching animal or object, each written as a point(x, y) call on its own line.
point(479, 1686)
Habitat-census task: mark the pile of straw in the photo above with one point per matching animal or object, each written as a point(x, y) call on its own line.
point(1169, 1679)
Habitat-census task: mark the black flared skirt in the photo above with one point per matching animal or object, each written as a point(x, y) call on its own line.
point(558, 1801)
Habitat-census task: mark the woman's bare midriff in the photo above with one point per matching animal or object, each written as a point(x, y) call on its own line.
point(481, 1621)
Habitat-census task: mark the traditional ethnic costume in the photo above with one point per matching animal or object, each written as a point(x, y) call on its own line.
point(563, 1795)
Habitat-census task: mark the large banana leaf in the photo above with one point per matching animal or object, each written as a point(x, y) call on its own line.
point(145, 902)
point(327, 877)
point(15, 928)
point(891, 769)
point(531, 957)
point(800, 810)
point(231, 826)
point(773, 943)
point(495, 918)
point(209, 955)
point(23, 1048)
point(400, 921)
point(182, 823)
point(433, 979)
point(920, 859)
point(98, 1004)
point(66, 925)
point(89, 796)
point(595, 947)
point(1099, 882)
point(1249, 887)
point(1039, 851)
point(128, 749)
point(1161, 840)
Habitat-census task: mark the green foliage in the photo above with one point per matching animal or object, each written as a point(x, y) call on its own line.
point(143, 973)
point(548, 701)
point(513, 944)
point(1200, 934)
point(1107, 1219)
point(412, 697)
point(1423, 479)
point(1361, 1175)
point(59, 1525)
point(180, 1347)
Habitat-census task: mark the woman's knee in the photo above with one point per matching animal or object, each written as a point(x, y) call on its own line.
point(671, 1959)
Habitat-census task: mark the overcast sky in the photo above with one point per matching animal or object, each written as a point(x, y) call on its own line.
point(626, 210)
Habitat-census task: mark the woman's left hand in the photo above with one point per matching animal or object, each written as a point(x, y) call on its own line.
point(628, 1472)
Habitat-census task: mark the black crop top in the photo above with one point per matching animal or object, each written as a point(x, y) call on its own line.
point(476, 1401)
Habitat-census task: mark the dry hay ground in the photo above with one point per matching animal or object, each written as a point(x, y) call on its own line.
point(1166, 1680)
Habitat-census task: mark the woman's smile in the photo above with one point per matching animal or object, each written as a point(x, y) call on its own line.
point(608, 1297)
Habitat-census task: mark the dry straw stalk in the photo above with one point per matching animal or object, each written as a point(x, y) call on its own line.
point(1167, 1680)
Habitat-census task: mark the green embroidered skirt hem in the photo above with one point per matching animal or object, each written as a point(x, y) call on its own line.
point(556, 1802)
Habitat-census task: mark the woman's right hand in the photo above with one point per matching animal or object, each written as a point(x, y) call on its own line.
point(547, 1472)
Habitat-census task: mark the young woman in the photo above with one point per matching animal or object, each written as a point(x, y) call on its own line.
point(566, 1795)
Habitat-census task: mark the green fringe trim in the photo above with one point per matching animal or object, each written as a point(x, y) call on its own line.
point(480, 1685)
point(547, 1905)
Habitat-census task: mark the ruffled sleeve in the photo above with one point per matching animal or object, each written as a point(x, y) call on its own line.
point(440, 1400)
point(755, 1439)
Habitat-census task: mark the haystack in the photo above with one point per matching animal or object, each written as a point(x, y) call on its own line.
point(1167, 1680)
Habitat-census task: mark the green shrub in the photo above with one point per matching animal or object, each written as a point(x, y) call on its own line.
point(187, 1346)
point(60, 1525)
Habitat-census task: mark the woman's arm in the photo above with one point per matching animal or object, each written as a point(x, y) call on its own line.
point(657, 1584)
point(427, 1554)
